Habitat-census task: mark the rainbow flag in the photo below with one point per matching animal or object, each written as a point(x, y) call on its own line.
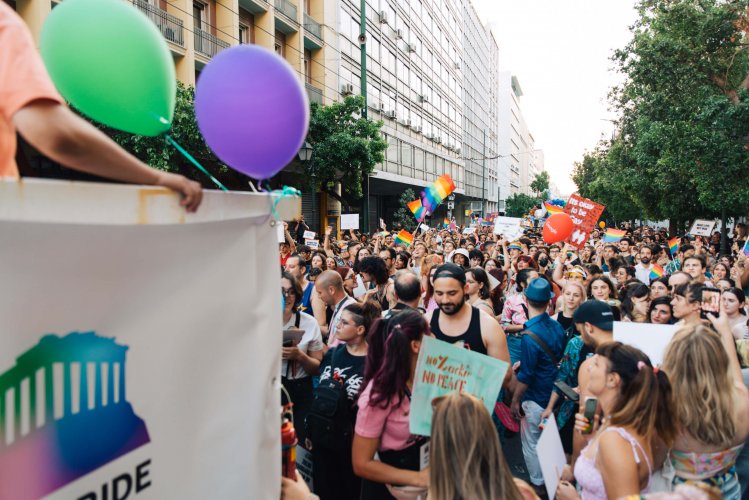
point(613, 235)
point(446, 222)
point(656, 272)
point(436, 192)
point(673, 245)
point(553, 209)
point(417, 209)
point(404, 238)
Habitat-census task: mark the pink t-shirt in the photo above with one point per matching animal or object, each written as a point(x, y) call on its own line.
point(389, 424)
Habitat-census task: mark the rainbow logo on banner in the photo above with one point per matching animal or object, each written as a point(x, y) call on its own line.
point(436, 192)
point(656, 272)
point(613, 235)
point(553, 209)
point(417, 209)
point(94, 426)
point(673, 245)
point(404, 238)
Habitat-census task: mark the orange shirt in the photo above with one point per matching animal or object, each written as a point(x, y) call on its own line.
point(23, 79)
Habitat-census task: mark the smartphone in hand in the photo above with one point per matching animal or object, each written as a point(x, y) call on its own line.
point(591, 404)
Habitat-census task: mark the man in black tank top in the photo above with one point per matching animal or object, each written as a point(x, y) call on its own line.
point(456, 321)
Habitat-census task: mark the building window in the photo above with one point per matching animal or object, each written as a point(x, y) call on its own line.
point(280, 45)
point(244, 34)
point(308, 66)
point(199, 18)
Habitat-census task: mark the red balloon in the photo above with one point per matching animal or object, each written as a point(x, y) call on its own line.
point(557, 228)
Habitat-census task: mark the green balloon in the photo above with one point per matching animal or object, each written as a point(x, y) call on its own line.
point(112, 63)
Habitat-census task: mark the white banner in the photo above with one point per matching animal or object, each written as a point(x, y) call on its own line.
point(137, 350)
point(509, 227)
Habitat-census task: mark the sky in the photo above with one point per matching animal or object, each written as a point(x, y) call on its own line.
point(559, 50)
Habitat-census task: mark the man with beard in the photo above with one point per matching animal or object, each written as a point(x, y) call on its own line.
point(642, 270)
point(456, 321)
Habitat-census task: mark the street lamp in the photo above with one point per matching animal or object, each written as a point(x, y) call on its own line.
point(305, 154)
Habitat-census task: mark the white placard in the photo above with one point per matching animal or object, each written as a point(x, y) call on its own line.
point(360, 289)
point(349, 221)
point(313, 244)
point(281, 234)
point(424, 227)
point(649, 338)
point(551, 455)
point(509, 227)
point(469, 230)
point(309, 235)
point(382, 223)
point(702, 227)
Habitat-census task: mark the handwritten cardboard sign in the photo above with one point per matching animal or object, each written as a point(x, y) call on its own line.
point(702, 227)
point(584, 214)
point(443, 368)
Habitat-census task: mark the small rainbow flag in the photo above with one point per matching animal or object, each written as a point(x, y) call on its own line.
point(553, 209)
point(613, 235)
point(437, 191)
point(656, 272)
point(404, 238)
point(446, 222)
point(673, 245)
point(417, 209)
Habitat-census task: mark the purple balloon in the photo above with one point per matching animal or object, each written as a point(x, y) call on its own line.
point(252, 110)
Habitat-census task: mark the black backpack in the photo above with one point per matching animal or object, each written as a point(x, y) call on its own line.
point(329, 423)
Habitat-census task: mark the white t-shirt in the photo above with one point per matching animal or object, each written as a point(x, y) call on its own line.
point(311, 342)
point(642, 273)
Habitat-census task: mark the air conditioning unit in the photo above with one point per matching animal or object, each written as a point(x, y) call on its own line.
point(381, 107)
point(407, 123)
point(438, 140)
point(429, 136)
point(411, 47)
point(424, 98)
point(347, 89)
point(417, 129)
point(391, 114)
point(456, 65)
point(383, 17)
point(398, 34)
point(457, 151)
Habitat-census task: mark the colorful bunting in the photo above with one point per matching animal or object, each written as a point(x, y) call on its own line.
point(613, 235)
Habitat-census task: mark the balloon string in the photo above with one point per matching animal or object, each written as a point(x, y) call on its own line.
point(193, 161)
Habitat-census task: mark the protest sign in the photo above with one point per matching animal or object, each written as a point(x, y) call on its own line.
point(304, 464)
point(469, 230)
point(509, 227)
point(121, 349)
point(702, 227)
point(443, 368)
point(313, 244)
point(551, 455)
point(649, 338)
point(584, 214)
point(382, 223)
point(424, 227)
point(349, 221)
point(280, 233)
point(309, 235)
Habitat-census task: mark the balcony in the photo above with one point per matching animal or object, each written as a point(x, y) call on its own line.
point(312, 33)
point(314, 94)
point(207, 44)
point(170, 26)
point(286, 16)
point(255, 6)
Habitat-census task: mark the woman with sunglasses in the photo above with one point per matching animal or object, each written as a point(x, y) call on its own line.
point(301, 355)
point(382, 426)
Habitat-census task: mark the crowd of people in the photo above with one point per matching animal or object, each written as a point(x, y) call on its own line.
point(363, 304)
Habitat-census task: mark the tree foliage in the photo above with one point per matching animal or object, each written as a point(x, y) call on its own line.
point(519, 204)
point(681, 147)
point(403, 215)
point(540, 184)
point(346, 147)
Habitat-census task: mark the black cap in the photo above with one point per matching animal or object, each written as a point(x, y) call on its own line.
point(597, 313)
point(450, 270)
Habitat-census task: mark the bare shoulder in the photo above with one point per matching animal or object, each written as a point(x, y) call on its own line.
point(428, 315)
point(489, 323)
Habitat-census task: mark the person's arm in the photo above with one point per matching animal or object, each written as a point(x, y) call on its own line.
point(558, 274)
point(506, 254)
point(517, 397)
point(495, 341)
point(365, 466)
point(744, 279)
point(617, 465)
point(377, 241)
point(61, 135)
point(326, 242)
point(723, 327)
point(309, 361)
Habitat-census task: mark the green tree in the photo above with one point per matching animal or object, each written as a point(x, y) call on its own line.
point(684, 109)
point(346, 147)
point(519, 204)
point(403, 215)
point(540, 184)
